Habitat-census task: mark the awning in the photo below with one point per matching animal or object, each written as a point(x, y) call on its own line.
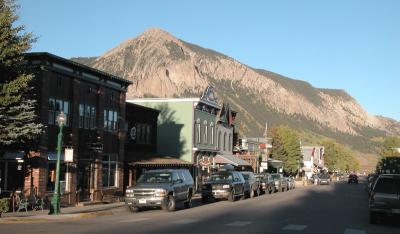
point(230, 159)
point(13, 155)
point(319, 165)
point(275, 163)
point(52, 156)
point(157, 160)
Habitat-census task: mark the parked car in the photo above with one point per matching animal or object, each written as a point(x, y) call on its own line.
point(223, 185)
point(281, 184)
point(161, 188)
point(385, 197)
point(252, 185)
point(266, 182)
point(353, 178)
point(324, 179)
point(314, 179)
point(291, 183)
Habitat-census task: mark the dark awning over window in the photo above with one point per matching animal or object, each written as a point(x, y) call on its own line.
point(53, 156)
point(13, 155)
point(230, 159)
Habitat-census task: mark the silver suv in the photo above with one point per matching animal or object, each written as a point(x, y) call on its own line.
point(385, 197)
point(161, 188)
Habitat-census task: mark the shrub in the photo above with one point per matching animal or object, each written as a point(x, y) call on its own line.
point(4, 205)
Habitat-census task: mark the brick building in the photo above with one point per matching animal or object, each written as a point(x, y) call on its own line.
point(94, 104)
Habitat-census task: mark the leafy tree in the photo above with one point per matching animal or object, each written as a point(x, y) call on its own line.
point(286, 147)
point(18, 121)
point(338, 157)
point(390, 147)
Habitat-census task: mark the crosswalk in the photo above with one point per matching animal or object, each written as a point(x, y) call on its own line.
point(289, 228)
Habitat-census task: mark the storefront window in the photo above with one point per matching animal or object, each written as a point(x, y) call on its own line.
point(109, 170)
point(51, 175)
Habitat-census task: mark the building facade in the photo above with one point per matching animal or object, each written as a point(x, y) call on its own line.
point(187, 130)
point(94, 105)
point(313, 159)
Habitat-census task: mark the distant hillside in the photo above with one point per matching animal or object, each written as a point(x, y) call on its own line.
point(160, 65)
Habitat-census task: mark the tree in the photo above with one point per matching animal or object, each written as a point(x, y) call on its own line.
point(18, 119)
point(286, 147)
point(338, 157)
point(390, 147)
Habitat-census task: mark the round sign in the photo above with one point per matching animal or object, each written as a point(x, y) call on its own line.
point(132, 133)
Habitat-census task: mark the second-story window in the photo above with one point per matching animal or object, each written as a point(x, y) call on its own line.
point(205, 136)
point(198, 131)
point(225, 141)
point(87, 116)
point(55, 108)
point(110, 120)
point(212, 133)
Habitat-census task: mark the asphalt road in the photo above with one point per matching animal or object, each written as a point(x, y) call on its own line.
point(336, 208)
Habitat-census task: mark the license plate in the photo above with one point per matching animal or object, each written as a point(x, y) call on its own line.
point(396, 211)
point(141, 201)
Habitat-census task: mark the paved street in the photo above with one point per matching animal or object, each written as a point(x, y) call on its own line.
point(337, 208)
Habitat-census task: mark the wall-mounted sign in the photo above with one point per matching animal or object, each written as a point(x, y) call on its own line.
point(69, 155)
point(132, 133)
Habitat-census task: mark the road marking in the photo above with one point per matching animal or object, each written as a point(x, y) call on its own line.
point(238, 224)
point(353, 231)
point(133, 220)
point(294, 227)
point(185, 221)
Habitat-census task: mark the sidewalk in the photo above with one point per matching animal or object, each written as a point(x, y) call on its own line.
point(67, 212)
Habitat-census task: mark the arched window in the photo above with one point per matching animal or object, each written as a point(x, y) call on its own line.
point(230, 142)
point(219, 141)
point(212, 132)
point(198, 131)
point(205, 135)
point(225, 141)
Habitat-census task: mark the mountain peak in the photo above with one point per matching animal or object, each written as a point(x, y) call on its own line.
point(158, 33)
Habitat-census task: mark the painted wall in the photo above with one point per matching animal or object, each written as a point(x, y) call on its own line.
point(175, 128)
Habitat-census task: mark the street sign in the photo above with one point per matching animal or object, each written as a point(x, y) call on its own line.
point(69, 155)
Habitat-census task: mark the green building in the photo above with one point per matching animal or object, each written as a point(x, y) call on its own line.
point(187, 129)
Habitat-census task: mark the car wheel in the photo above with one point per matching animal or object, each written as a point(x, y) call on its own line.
point(170, 204)
point(270, 190)
point(188, 203)
point(204, 199)
point(372, 217)
point(133, 209)
point(231, 196)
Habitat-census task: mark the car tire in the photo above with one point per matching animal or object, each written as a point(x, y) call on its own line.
point(188, 203)
point(204, 199)
point(133, 209)
point(270, 191)
point(231, 196)
point(170, 204)
point(372, 217)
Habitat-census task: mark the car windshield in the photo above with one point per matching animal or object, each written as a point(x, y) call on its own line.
point(276, 176)
point(221, 176)
point(155, 177)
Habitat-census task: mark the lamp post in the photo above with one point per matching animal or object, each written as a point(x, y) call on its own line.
point(55, 201)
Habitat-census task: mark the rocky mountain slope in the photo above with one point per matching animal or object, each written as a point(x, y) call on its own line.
point(160, 65)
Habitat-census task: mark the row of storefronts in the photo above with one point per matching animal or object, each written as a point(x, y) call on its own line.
point(109, 141)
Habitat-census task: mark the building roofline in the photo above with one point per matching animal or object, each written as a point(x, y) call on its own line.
point(144, 100)
point(64, 60)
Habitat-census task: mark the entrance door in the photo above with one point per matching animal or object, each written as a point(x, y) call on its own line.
point(84, 175)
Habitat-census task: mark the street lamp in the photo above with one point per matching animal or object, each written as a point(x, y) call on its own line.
point(55, 201)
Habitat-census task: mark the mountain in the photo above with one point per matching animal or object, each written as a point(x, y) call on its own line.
point(160, 65)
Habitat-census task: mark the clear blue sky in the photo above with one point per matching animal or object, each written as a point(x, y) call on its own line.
point(345, 44)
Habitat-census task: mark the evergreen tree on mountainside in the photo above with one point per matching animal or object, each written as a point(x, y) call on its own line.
point(18, 121)
point(286, 147)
